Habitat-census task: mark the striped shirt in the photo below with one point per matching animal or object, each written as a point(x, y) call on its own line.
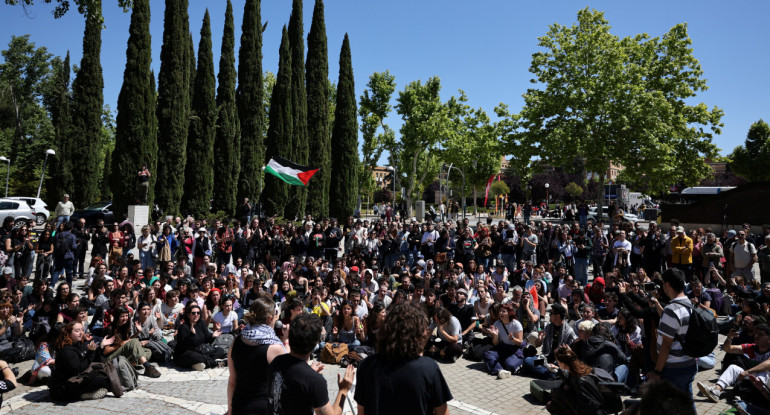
point(673, 324)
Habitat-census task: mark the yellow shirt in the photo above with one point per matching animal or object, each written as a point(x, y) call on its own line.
point(681, 246)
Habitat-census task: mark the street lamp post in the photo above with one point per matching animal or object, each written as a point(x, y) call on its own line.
point(48, 152)
point(7, 174)
point(393, 169)
point(462, 174)
point(547, 199)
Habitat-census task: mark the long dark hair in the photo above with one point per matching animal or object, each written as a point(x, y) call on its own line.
point(631, 322)
point(122, 333)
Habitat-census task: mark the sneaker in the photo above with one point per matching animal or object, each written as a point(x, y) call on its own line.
point(151, 372)
point(711, 393)
point(453, 358)
point(503, 374)
point(221, 362)
point(97, 394)
point(198, 366)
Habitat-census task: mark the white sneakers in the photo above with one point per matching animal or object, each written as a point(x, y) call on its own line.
point(503, 374)
point(198, 366)
point(710, 392)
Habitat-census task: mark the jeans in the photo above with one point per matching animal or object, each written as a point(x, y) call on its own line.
point(510, 262)
point(752, 409)
point(146, 259)
point(66, 266)
point(581, 271)
point(43, 266)
point(62, 219)
point(706, 362)
point(503, 356)
point(598, 263)
point(583, 220)
point(621, 373)
point(681, 377)
point(541, 372)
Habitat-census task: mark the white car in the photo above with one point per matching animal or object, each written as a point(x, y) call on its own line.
point(37, 205)
point(592, 211)
point(19, 210)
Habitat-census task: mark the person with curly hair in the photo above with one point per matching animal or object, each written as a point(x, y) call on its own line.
point(398, 379)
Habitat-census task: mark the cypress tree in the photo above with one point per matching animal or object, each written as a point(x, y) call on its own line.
point(173, 106)
point(135, 140)
point(199, 178)
point(87, 109)
point(300, 149)
point(60, 180)
point(317, 76)
point(227, 143)
point(344, 184)
point(191, 69)
point(249, 99)
point(279, 133)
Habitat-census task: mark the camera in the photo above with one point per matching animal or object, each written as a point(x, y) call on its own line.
point(649, 287)
point(540, 361)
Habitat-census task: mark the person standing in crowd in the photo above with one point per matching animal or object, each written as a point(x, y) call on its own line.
point(743, 255)
point(298, 388)
point(398, 379)
point(64, 209)
point(672, 363)
point(82, 234)
point(144, 184)
point(65, 246)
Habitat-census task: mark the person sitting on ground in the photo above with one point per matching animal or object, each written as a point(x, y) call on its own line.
point(347, 326)
point(579, 392)
point(759, 358)
point(73, 357)
point(296, 387)
point(398, 379)
point(449, 342)
point(8, 380)
point(507, 336)
point(190, 335)
point(127, 345)
point(556, 333)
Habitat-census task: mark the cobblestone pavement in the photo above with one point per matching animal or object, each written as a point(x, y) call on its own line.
point(186, 392)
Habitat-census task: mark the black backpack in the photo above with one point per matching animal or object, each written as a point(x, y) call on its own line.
point(62, 244)
point(702, 332)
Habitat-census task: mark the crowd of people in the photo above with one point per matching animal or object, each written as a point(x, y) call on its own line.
point(261, 296)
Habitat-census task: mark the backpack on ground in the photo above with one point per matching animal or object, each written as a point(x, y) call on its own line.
point(161, 352)
point(334, 352)
point(129, 379)
point(702, 332)
point(224, 341)
point(477, 348)
point(22, 349)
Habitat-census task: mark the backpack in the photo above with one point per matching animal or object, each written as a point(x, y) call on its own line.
point(21, 349)
point(127, 374)
point(62, 244)
point(334, 352)
point(702, 332)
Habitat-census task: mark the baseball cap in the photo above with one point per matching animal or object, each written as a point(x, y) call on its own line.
point(354, 269)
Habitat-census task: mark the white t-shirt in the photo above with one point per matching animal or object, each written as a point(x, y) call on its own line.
point(624, 245)
point(226, 323)
point(513, 327)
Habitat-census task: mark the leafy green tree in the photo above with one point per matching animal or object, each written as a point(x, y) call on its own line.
point(499, 188)
point(199, 177)
point(227, 158)
point(63, 6)
point(374, 107)
point(136, 142)
point(57, 101)
point(173, 110)
point(299, 140)
point(249, 97)
point(319, 140)
point(343, 191)
point(574, 190)
point(472, 144)
point(750, 160)
point(417, 153)
point(622, 101)
point(87, 110)
point(275, 195)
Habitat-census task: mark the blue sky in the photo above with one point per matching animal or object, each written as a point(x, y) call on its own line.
point(483, 47)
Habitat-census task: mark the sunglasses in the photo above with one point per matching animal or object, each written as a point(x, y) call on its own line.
point(195, 313)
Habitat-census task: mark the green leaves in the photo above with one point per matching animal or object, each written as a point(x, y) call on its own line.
point(750, 160)
point(617, 100)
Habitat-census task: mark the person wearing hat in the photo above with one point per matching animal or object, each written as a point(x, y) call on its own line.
point(681, 252)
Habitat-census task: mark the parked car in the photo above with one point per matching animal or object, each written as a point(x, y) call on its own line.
point(592, 211)
point(100, 210)
point(38, 206)
point(19, 210)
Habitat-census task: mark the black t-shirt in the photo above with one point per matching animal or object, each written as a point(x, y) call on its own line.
point(294, 387)
point(464, 314)
point(413, 387)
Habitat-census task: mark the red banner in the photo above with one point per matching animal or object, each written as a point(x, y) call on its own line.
point(533, 293)
point(489, 184)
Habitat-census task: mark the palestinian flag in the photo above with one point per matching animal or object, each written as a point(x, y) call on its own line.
point(290, 172)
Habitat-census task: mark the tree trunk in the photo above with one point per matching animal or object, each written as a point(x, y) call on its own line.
point(475, 209)
point(600, 201)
